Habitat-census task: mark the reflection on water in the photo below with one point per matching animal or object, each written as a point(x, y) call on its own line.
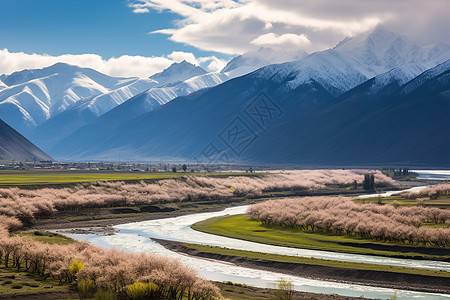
point(433, 174)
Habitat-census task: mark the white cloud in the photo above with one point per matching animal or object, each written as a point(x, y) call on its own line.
point(228, 26)
point(213, 64)
point(179, 56)
point(210, 63)
point(123, 66)
point(141, 10)
point(288, 40)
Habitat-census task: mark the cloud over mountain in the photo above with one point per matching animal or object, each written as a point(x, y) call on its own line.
point(228, 26)
point(122, 66)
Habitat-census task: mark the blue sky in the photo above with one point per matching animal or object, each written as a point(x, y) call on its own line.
point(141, 37)
point(105, 27)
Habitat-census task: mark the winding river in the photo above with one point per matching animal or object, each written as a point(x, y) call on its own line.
point(136, 237)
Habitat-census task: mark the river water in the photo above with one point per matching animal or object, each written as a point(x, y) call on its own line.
point(136, 237)
point(433, 174)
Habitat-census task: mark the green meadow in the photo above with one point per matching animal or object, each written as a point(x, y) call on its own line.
point(43, 177)
point(240, 227)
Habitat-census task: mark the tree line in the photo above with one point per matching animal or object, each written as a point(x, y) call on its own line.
point(27, 205)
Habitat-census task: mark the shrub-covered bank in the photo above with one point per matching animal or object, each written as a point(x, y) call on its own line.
point(342, 216)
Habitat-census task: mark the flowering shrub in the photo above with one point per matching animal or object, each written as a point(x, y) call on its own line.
point(25, 205)
point(342, 216)
point(431, 192)
point(95, 268)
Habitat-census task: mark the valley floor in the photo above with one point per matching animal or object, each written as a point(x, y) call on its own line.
point(102, 220)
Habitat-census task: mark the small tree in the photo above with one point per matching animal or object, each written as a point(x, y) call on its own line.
point(380, 200)
point(142, 291)
point(284, 290)
point(369, 182)
point(372, 182)
point(184, 168)
point(174, 169)
point(86, 288)
point(74, 269)
point(137, 291)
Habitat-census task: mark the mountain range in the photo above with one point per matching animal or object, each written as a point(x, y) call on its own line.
point(374, 98)
point(49, 104)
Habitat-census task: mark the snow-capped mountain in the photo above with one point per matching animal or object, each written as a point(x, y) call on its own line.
point(13, 146)
point(34, 96)
point(356, 60)
point(46, 104)
point(382, 50)
point(300, 89)
point(133, 108)
point(359, 128)
point(253, 60)
point(395, 126)
point(177, 72)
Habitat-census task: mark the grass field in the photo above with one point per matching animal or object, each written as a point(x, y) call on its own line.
point(241, 227)
point(441, 202)
point(19, 285)
point(46, 237)
point(314, 261)
point(42, 177)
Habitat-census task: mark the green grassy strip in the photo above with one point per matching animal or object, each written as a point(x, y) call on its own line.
point(13, 282)
point(35, 178)
point(442, 201)
point(240, 227)
point(46, 237)
point(314, 261)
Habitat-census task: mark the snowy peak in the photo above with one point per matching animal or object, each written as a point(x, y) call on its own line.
point(378, 41)
point(33, 96)
point(64, 72)
point(357, 59)
point(253, 60)
point(177, 72)
point(158, 96)
point(23, 76)
point(383, 50)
